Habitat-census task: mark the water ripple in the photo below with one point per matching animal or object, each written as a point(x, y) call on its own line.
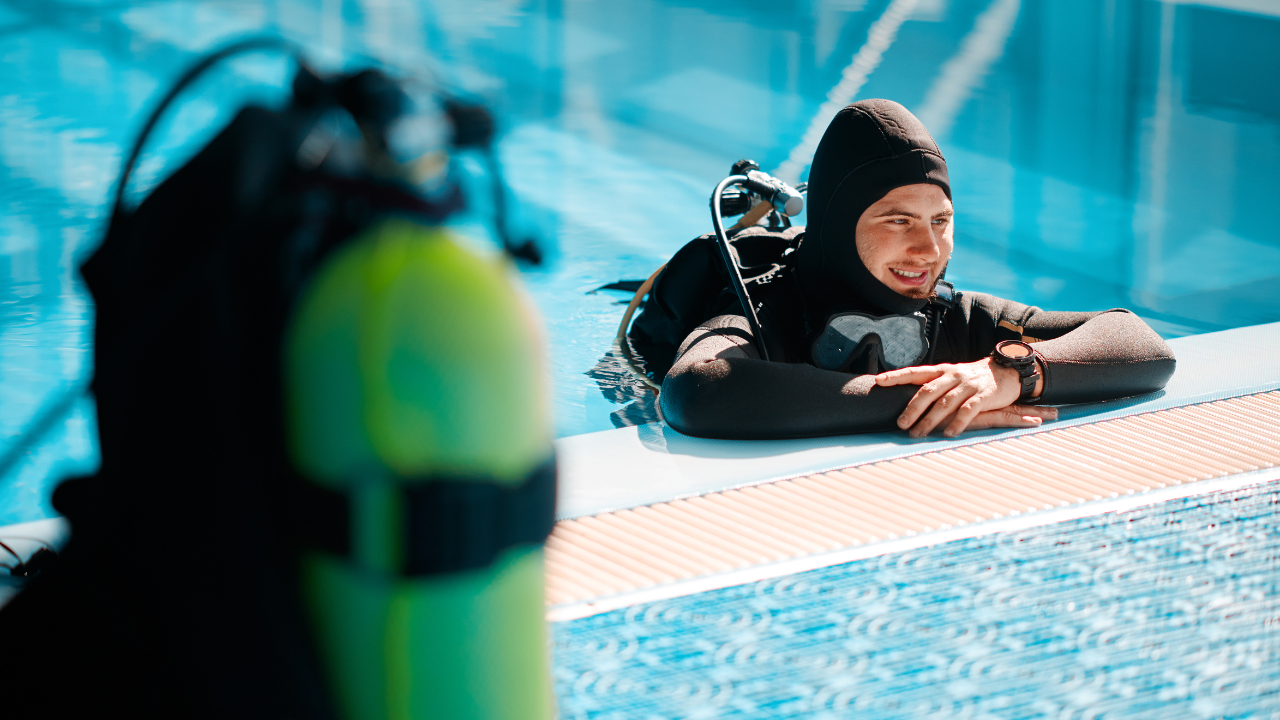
point(1166, 611)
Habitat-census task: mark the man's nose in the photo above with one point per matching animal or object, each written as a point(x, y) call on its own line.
point(922, 242)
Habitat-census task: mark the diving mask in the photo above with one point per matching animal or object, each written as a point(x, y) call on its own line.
point(897, 341)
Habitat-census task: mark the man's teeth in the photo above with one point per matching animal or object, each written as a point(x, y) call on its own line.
point(906, 274)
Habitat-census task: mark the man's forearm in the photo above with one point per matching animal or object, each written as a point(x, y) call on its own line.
point(1113, 355)
point(745, 398)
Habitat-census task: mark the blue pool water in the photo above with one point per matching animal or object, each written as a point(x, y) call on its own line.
point(1160, 612)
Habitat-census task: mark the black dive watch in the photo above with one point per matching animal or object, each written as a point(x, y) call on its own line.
point(1021, 357)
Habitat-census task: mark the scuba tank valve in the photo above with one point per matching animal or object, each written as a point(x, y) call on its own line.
point(783, 198)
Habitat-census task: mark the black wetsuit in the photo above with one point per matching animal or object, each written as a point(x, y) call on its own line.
point(718, 386)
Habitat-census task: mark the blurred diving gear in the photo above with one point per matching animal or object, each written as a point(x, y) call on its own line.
point(196, 582)
point(417, 414)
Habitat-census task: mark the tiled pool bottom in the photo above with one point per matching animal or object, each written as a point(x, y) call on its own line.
point(1166, 611)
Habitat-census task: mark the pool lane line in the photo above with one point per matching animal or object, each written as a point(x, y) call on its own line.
point(883, 32)
point(668, 549)
point(965, 71)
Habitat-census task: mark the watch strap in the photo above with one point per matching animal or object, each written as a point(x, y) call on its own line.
point(1029, 384)
point(1029, 379)
point(1026, 367)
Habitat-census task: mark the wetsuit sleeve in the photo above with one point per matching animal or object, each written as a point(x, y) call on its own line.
point(718, 387)
point(1087, 356)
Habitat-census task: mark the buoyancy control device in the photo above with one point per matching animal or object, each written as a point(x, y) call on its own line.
point(326, 460)
point(715, 273)
point(695, 286)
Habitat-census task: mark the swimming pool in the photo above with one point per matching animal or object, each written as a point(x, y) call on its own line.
point(1103, 153)
point(1156, 612)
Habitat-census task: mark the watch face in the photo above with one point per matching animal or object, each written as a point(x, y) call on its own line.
point(1013, 349)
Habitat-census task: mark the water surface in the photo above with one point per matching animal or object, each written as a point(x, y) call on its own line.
point(1103, 153)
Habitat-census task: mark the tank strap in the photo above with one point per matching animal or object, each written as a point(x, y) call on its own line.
point(450, 523)
point(944, 298)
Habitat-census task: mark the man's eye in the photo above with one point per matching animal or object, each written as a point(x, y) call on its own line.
point(940, 221)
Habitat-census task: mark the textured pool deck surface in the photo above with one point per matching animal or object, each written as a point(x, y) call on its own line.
point(732, 513)
point(615, 559)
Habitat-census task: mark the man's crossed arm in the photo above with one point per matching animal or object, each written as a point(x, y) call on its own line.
point(719, 387)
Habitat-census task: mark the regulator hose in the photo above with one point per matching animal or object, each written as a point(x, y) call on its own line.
point(624, 347)
point(731, 265)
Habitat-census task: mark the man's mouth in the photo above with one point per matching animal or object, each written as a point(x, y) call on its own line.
point(911, 277)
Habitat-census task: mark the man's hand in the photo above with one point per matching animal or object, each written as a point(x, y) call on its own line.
point(974, 395)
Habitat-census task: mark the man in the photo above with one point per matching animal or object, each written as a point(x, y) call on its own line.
point(879, 237)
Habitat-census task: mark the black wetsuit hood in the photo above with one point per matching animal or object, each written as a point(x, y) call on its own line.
point(870, 148)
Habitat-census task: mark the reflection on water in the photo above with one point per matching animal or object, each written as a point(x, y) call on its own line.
point(1103, 152)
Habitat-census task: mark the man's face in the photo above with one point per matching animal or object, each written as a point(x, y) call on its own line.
point(905, 238)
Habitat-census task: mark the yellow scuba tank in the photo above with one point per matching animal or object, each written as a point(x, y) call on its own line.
point(414, 364)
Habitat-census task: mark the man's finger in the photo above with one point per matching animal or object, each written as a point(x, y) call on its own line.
point(1010, 417)
point(943, 408)
point(923, 399)
point(910, 376)
point(1044, 413)
point(969, 410)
